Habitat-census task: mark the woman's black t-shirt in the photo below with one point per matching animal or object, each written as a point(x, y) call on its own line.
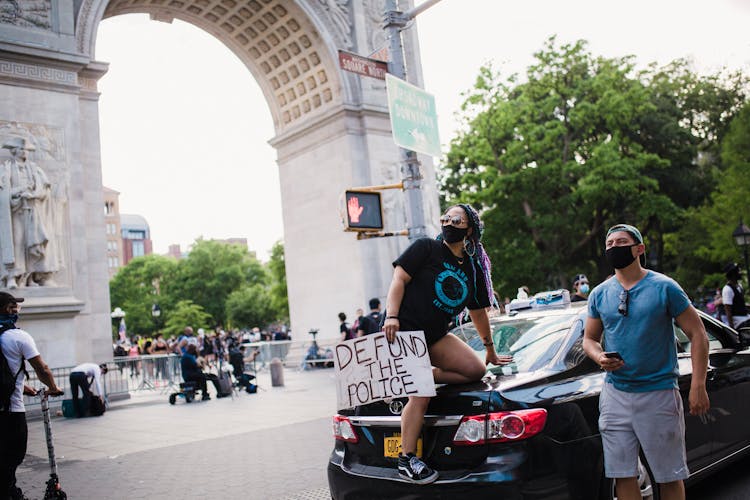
point(440, 287)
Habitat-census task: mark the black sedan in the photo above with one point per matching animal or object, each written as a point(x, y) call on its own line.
point(529, 430)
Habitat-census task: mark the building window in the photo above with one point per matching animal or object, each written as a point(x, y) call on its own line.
point(133, 234)
point(139, 249)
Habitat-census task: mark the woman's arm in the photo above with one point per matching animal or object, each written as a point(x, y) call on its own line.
point(481, 322)
point(393, 302)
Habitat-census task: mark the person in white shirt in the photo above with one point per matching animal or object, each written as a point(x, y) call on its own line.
point(17, 346)
point(84, 376)
point(733, 297)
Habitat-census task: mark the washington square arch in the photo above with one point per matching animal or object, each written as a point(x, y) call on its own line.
point(332, 131)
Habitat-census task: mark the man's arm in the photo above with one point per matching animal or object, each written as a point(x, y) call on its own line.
point(45, 376)
point(693, 327)
point(592, 337)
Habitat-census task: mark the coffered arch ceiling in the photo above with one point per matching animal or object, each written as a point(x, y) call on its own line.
point(280, 41)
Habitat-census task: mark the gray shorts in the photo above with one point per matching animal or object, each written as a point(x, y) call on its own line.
point(653, 420)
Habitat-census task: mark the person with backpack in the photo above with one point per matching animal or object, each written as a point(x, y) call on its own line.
point(16, 347)
point(371, 323)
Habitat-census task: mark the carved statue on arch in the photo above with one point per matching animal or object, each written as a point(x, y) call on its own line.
point(26, 253)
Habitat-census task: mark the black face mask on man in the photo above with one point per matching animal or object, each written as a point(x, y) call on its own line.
point(452, 234)
point(620, 257)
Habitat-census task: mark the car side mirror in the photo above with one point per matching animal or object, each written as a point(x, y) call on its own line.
point(744, 336)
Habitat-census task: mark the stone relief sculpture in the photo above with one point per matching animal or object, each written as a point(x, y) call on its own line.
point(26, 13)
point(25, 216)
point(376, 35)
point(338, 12)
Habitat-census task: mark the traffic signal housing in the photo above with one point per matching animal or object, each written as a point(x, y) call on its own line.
point(364, 211)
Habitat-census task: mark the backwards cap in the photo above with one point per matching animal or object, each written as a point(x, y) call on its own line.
point(632, 230)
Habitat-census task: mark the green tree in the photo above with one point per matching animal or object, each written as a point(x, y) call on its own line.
point(704, 243)
point(212, 271)
point(186, 313)
point(278, 290)
point(138, 286)
point(583, 143)
point(250, 306)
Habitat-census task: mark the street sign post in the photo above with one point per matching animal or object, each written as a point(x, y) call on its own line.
point(364, 66)
point(413, 117)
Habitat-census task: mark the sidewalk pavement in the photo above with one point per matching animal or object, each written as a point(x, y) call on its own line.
point(270, 445)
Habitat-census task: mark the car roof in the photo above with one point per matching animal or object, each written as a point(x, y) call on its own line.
point(572, 309)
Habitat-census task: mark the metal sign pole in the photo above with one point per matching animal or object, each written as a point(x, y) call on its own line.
point(394, 22)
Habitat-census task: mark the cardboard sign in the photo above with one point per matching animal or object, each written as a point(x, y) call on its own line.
point(371, 369)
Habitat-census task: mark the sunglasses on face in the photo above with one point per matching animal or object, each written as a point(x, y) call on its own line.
point(622, 308)
point(455, 220)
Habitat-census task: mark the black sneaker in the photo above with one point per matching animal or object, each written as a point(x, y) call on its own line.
point(414, 470)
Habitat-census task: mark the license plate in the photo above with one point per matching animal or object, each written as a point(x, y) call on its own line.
point(392, 446)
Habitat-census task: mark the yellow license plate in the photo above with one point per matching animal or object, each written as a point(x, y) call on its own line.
point(392, 446)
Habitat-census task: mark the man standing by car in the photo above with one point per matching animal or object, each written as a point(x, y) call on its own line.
point(17, 346)
point(733, 297)
point(640, 404)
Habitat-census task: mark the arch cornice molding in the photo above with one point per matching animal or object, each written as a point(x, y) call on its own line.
point(294, 94)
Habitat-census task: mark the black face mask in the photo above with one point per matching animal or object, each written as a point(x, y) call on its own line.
point(620, 257)
point(8, 319)
point(452, 234)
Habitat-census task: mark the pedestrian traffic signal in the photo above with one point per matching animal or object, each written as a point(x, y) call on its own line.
point(363, 211)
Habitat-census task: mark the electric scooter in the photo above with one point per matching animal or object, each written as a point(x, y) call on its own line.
point(54, 490)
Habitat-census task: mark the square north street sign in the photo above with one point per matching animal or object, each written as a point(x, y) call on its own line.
point(413, 117)
point(364, 66)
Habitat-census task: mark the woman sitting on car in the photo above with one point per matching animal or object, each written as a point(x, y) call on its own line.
point(433, 281)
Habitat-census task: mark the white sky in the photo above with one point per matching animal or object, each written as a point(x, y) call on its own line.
point(184, 126)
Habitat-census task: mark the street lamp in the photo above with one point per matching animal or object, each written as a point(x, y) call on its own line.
point(741, 236)
point(156, 313)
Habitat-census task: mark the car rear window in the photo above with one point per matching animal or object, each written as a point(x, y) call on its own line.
point(533, 341)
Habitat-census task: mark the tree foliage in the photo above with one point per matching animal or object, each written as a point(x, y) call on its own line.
point(138, 286)
point(212, 271)
point(583, 143)
point(704, 244)
point(186, 313)
point(278, 291)
point(250, 306)
point(212, 286)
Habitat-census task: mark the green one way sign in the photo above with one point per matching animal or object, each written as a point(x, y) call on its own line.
point(413, 117)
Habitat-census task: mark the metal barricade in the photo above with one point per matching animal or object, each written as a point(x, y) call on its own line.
point(292, 353)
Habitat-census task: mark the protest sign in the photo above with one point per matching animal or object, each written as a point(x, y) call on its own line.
point(371, 369)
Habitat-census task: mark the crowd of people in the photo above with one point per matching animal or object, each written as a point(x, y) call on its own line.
point(203, 356)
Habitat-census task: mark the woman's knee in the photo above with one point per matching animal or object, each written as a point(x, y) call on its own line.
point(476, 371)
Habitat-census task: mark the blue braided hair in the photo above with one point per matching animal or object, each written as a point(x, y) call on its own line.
point(475, 250)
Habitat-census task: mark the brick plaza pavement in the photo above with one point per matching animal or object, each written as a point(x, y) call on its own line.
point(270, 445)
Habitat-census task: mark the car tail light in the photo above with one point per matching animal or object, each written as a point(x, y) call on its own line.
point(500, 427)
point(343, 429)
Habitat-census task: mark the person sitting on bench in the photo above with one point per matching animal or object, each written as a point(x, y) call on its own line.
point(191, 372)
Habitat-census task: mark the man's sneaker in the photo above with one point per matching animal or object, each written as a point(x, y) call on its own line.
point(414, 470)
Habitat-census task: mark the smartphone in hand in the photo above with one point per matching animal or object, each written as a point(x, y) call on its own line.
point(613, 354)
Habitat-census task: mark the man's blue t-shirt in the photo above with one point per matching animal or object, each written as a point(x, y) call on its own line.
point(645, 337)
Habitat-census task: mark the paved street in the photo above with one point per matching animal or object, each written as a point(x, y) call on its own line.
point(269, 445)
point(273, 444)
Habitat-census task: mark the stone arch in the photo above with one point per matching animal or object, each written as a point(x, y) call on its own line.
point(332, 132)
point(289, 47)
